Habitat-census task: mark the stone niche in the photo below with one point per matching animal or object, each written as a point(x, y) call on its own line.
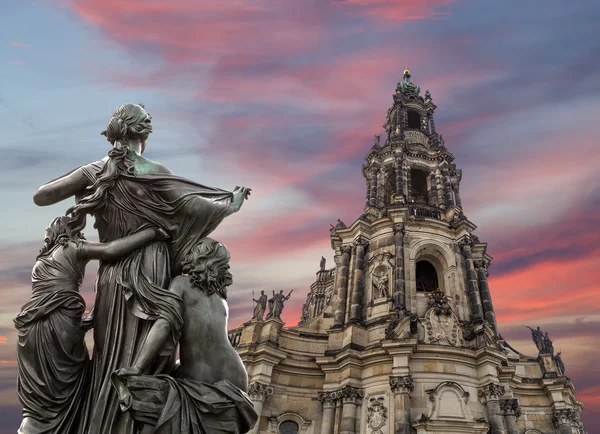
point(449, 401)
point(377, 414)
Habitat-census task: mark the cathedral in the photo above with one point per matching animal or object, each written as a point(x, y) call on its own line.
point(400, 336)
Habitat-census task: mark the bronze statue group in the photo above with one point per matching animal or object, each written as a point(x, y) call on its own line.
point(161, 289)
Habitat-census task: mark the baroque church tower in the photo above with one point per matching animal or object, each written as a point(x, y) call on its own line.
point(400, 336)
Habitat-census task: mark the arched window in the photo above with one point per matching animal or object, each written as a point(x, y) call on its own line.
point(427, 278)
point(414, 120)
point(418, 184)
point(289, 427)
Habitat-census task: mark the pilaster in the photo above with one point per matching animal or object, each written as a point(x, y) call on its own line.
point(490, 395)
point(402, 386)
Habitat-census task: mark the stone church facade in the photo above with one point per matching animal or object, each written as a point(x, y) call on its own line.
point(400, 336)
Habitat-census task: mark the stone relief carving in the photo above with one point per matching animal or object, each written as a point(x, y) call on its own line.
point(510, 407)
point(441, 325)
point(259, 391)
point(376, 415)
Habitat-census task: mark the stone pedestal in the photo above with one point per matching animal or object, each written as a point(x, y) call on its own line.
point(490, 395)
point(251, 332)
point(258, 392)
point(380, 308)
point(269, 332)
point(402, 386)
point(549, 368)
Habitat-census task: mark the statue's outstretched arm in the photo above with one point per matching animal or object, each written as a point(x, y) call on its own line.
point(119, 248)
point(61, 188)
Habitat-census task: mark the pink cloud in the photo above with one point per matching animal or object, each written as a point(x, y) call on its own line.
point(19, 44)
point(393, 10)
point(16, 62)
point(2, 340)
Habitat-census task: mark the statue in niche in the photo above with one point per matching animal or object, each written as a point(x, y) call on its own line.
point(52, 356)
point(127, 193)
point(381, 286)
point(322, 263)
point(260, 307)
point(208, 391)
point(276, 304)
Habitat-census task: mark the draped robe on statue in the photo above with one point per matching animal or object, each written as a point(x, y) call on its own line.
point(51, 355)
point(133, 292)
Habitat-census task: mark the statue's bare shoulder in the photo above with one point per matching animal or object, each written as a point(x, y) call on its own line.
point(143, 166)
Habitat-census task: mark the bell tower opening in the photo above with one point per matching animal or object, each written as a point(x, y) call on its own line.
point(419, 186)
point(427, 278)
point(414, 120)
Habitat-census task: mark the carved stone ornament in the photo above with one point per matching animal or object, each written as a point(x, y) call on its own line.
point(352, 394)
point(376, 415)
point(441, 328)
point(259, 391)
point(328, 399)
point(510, 407)
point(565, 416)
point(439, 302)
point(402, 384)
point(490, 392)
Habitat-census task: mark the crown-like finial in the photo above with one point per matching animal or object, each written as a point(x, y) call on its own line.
point(406, 71)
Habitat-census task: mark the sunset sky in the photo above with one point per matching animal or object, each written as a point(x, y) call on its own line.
point(285, 96)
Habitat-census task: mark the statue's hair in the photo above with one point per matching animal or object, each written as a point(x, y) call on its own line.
point(59, 232)
point(203, 263)
point(129, 121)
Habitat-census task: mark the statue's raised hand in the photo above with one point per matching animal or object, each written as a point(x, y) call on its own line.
point(239, 195)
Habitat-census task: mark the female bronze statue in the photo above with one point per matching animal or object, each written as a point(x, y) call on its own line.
point(52, 354)
point(127, 193)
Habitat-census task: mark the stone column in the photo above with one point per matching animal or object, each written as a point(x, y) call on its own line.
point(564, 419)
point(448, 190)
point(432, 193)
point(490, 394)
point(408, 183)
point(484, 292)
point(472, 287)
point(401, 387)
point(457, 196)
point(373, 184)
point(399, 296)
point(381, 193)
point(328, 399)
point(258, 393)
point(342, 285)
point(432, 123)
point(358, 289)
point(351, 396)
point(399, 175)
point(439, 187)
point(510, 409)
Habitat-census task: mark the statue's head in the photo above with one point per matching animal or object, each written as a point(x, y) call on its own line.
point(58, 232)
point(262, 292)
point(208, 264)
point(281, 292)
point(129, 122)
